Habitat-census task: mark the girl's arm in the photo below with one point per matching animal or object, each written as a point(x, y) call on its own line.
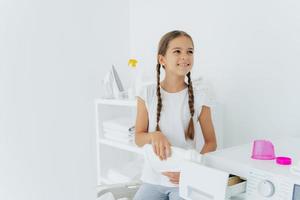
point(160, 144)
point(210, 143)
point(141, 125)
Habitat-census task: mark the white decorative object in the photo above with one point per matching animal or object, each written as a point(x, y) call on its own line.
point(112, 85)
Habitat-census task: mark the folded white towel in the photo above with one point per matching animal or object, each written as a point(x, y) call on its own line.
point(116, 138)
point(118, 124)
point(117, 177)
point(172, 163)
point(121, 133)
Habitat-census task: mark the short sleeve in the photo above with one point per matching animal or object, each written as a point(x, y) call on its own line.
point(142, 93)
point(146, 92)
point(202, 97)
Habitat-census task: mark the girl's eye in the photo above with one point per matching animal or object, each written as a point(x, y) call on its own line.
point(190, 52)
point(177, 51)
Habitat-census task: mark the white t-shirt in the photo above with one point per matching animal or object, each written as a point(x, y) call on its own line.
point(174, 119)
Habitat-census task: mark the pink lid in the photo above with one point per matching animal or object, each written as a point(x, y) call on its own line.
point(283, 160)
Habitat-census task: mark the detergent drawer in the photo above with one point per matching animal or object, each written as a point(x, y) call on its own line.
point(198, 182)
point(235, 186)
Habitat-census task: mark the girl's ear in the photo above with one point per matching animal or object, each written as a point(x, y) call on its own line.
point(161, 59)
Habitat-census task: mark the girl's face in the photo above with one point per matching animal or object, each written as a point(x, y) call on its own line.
point(179, 57)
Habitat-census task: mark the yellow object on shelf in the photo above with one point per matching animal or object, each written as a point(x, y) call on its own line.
point(132, 63)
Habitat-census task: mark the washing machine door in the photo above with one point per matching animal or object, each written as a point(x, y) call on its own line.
point(198, 182)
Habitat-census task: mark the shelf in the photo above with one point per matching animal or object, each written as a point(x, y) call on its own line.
point(108, 109)
point(117, 102)
point(120, 145)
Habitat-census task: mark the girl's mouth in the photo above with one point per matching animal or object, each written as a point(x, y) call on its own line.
point(183, 64)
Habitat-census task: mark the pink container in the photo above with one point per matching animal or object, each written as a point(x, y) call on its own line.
point(263, 150)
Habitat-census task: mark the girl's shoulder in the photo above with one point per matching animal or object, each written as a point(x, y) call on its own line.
point(199, 87)
point(202, 85)
point(202, 93)
point(147, 91)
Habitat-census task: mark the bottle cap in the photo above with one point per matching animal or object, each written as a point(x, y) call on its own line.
point(283, 160)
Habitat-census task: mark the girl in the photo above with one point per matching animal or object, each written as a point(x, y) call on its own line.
point(167, 111)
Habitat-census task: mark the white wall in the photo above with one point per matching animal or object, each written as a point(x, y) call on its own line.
point(248, 51)
point(53, 56)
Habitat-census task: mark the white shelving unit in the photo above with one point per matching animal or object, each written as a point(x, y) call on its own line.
point(116, 102)
point(113, 154)
point(128, 147)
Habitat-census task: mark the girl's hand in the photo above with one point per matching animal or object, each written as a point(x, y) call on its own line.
point(173, 176)
point(161, 145)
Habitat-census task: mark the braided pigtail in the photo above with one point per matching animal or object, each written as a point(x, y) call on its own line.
point(158, 94)
point(191, 130)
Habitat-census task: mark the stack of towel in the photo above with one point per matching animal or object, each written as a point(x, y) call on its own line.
point(127, 172)
point(120, 129)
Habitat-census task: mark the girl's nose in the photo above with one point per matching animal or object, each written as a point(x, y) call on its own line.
point(183, 57)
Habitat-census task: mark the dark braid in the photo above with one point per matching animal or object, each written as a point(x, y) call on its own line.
point(190, 131)
point(158, 94)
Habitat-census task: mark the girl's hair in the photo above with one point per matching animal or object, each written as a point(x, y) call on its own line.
point(162, 49)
